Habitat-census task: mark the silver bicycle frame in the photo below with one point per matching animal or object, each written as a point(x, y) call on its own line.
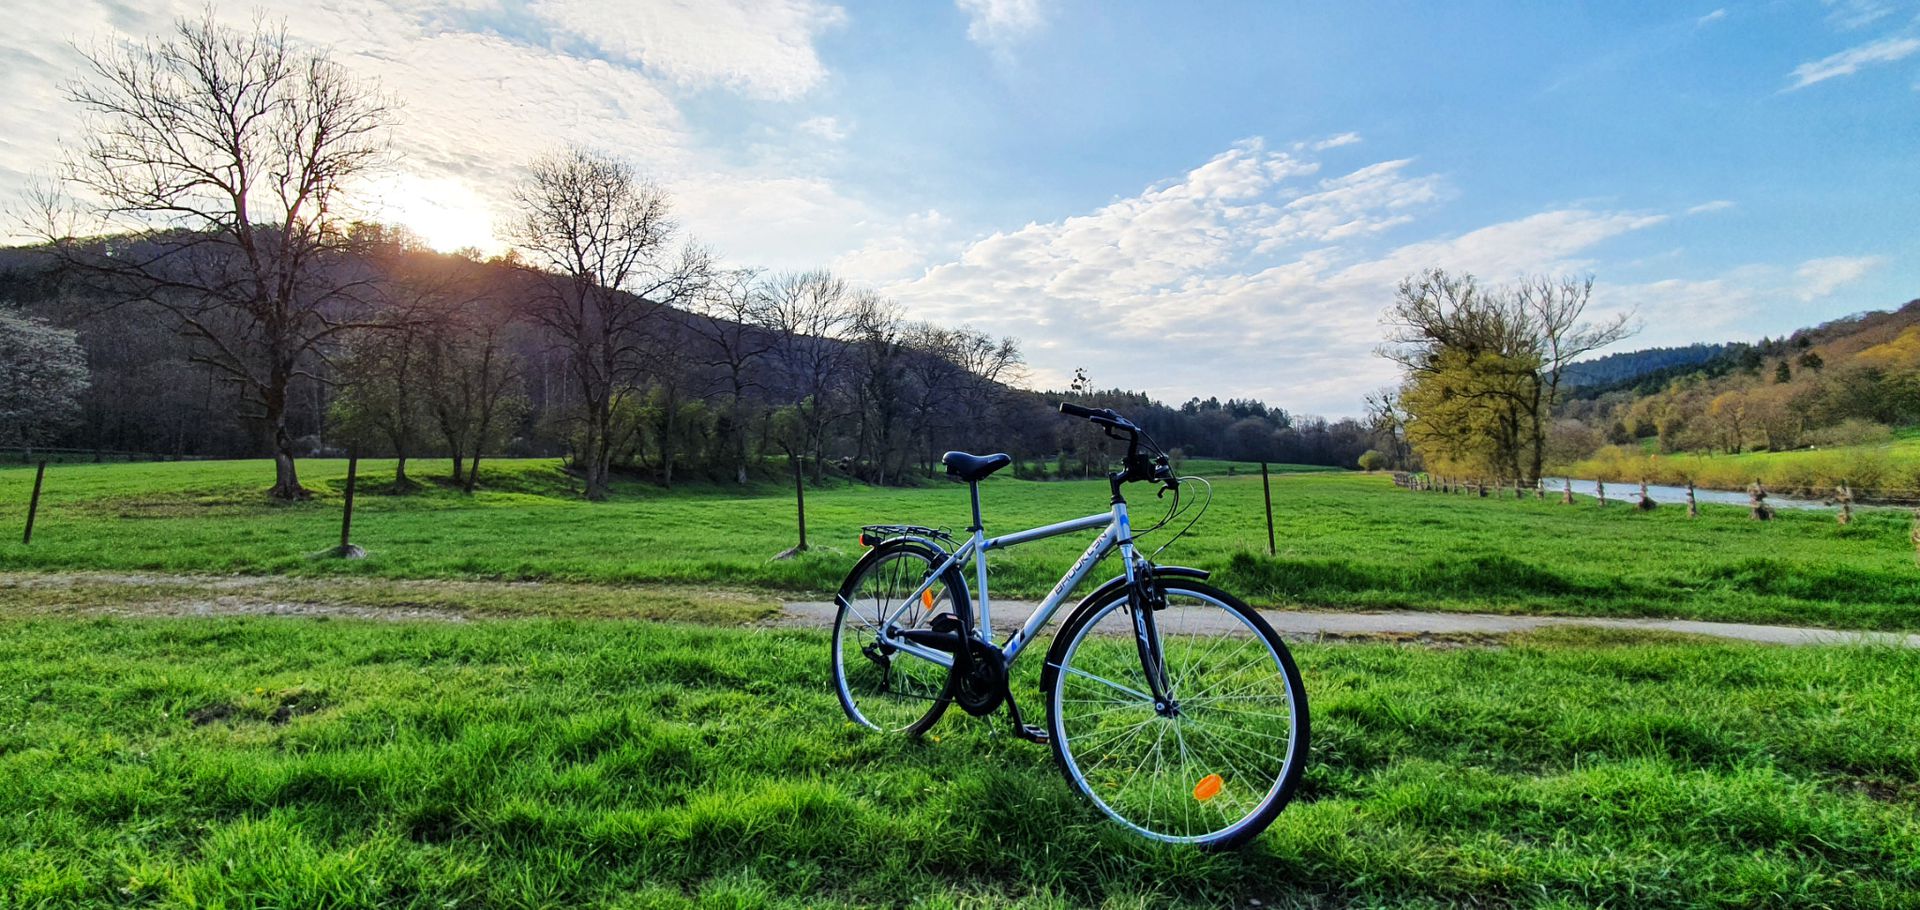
point(1118, 532)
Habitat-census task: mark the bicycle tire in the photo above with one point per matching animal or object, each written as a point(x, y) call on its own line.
point(1121, 727)
point(859, 679)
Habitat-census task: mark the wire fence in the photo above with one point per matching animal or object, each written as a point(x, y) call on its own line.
point(24, 455)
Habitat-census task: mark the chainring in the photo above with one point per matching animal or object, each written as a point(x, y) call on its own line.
point(982, 685)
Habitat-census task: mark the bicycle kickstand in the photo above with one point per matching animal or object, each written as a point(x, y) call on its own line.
point(1021, 728)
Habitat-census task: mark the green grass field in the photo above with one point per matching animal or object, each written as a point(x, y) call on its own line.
point(1344, 540)
point(536, 763)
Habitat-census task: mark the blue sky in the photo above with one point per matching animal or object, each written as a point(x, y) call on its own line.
point(1182, 198)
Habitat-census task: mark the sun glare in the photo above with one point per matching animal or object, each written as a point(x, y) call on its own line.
point(445, 213)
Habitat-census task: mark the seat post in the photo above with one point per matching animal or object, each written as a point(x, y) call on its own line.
point(973, 488)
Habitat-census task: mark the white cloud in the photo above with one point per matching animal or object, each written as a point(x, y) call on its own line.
point(1818, 278)
point(485, 88)
point(1717, 205)
point(1334, 142)
point(1851, 14)
point(1250, 273)
point(828, 128)
point(1851, 60)
point(998, 23)
point(1710, 18)
point(762, 48)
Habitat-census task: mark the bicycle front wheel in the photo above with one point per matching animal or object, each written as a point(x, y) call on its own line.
point(1214, 764)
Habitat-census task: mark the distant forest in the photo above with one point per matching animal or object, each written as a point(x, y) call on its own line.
point(715, 392)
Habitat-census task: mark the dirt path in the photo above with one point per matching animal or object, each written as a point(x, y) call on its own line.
point(135, 594)
point(1321, 624)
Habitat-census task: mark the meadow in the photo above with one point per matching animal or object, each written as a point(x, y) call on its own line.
point(278, 762)
point(1344, 540)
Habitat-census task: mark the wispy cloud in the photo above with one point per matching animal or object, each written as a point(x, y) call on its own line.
point(1818, 278)
point(999, 23)
point(1717, 205)
point(1710, 18)
point(828, 128)
point(1334, 142)
point(1851, 60)
point(1851, 14)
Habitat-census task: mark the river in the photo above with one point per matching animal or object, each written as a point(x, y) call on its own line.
point(1630, 492)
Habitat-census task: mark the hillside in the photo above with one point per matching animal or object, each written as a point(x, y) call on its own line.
point(1851, 384)
point(706, 386)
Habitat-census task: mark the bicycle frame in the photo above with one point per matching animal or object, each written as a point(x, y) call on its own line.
point(1118, 532)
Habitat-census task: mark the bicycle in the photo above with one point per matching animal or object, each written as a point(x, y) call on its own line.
point(1171, 705)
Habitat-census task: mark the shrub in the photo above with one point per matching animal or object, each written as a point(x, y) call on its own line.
point(1852, 431)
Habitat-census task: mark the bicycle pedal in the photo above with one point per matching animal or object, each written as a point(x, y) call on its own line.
point(945, 623)
point(1032, 734)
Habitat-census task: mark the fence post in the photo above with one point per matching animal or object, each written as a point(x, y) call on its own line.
point(33, 505)
point(1266, 487)
point(799, 503)
point(347, 550)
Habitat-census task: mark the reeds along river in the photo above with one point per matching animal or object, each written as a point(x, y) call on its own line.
point(1630, 492)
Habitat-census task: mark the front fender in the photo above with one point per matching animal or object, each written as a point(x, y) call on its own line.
point(1100, 595)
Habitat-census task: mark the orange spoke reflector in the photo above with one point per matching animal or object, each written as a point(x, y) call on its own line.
point(926, 598)
point(1208, 787)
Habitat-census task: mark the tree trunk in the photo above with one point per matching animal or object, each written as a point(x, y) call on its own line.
point(286, 478)
point(459, 460)
point(400, 480)
point(473, 474)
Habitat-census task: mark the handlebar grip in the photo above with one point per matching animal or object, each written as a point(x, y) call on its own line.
point(1074, 410)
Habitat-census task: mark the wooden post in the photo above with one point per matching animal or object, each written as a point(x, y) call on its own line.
point(1757, 497)
point(1600, 492)
point(800, 503)
point(1693, 505)
point(33, 505)
point(1266, 487)
point(346, 514)
point(1566, 495)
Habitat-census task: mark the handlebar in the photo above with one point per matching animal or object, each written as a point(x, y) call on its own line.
point(1103, 416)
point(1138, 467)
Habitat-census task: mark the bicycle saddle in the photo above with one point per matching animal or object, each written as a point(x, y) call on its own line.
point(974, 468)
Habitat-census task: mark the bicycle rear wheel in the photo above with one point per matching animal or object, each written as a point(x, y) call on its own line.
point(1218, 762)
point(881, 687)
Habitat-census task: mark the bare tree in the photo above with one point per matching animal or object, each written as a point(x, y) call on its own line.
point(729, 319)
point(809, 314)
point(601, 239)
point(473, 379)
point(1555, 307)
point(878, 335)
point(219, 159)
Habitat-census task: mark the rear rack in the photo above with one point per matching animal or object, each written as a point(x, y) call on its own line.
point(882, 532)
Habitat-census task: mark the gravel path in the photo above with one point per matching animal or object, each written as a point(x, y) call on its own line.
point(1314, 624)
point(136, 594)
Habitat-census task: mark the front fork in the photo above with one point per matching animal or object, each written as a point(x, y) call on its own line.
point(1145, 599)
